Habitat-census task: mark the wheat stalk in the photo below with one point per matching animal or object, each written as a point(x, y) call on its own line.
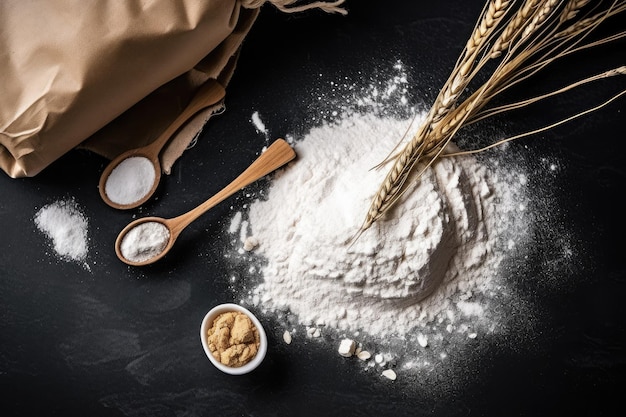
point(542, 14)
point(462, 72)
point(584, 24)
point(538, 33)
point(511, 31)
point(571, 9)
point(422, 144)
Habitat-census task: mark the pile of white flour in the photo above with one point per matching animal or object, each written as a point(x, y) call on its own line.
point(421, 285)
point(426, 272)
point(445, 227)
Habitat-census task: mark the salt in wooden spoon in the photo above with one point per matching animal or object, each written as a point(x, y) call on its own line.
point(147, 157)
point(168, 230)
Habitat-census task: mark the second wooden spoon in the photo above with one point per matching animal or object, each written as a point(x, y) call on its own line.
point(148, 239)
point(131, 178)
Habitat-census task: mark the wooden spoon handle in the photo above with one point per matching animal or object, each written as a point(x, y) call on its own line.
point(210, 93)
point(277, 155)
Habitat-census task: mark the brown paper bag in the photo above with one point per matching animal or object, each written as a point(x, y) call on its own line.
point(110, 75)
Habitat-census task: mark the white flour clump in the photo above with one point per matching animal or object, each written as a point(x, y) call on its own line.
point(258, 123)
point(422, 291)
point(66, 226)
point(420, 283)
point(443, 228)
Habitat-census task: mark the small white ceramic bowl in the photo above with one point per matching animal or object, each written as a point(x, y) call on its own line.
point(208, 321)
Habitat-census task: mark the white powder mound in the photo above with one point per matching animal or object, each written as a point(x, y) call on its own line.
point(444, 227)
point(421, 282)
point(131, 180)
point(425, 285)
point(66, 226)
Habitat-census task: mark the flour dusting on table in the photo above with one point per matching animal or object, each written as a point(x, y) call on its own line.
point(426, 283)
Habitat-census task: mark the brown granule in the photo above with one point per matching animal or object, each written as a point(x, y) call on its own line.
point(233, 339)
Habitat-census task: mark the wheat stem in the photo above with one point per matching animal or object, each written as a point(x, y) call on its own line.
point(541, 129)
point(512, 106)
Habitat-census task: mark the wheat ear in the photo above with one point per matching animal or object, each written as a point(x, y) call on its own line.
point(425, 144)
point(539, 33)
point(512, 29)
point(571, 10)
point(584, 24)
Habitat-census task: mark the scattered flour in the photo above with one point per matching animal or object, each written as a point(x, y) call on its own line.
point(258, 123)
point(425, 284)
point(419, 283)
point(66, 226)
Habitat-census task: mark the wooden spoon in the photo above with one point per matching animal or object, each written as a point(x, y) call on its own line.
point(277, 155)
point(209, 94)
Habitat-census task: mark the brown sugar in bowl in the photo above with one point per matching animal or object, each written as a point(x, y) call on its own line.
point(238, 344)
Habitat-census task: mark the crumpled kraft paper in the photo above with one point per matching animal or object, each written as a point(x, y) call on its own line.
point(107, 75)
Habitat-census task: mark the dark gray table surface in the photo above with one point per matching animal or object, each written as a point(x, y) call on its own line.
point(117, 340)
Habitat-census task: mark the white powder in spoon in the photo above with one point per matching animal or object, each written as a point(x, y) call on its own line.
point(130, 181)
point(144, 241)
point(66, 226)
